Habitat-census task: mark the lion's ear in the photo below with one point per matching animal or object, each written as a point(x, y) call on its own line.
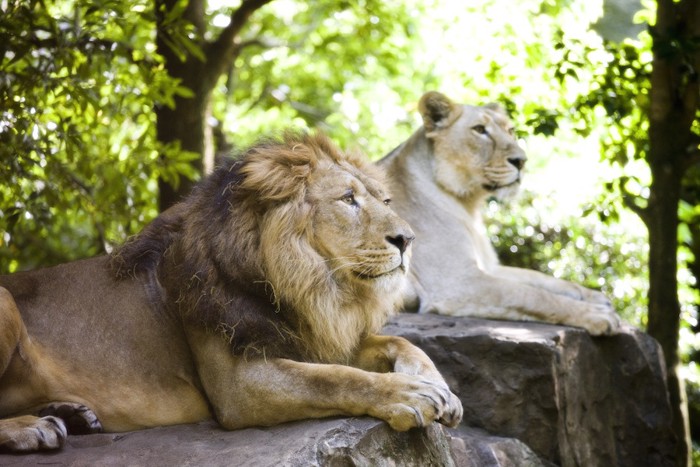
point(277, 172)
point(437, 111)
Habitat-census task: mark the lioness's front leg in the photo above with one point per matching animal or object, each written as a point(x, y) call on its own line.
point(553, 284)
point(249, 392)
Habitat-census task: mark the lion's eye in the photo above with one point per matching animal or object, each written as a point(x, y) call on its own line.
point(481, 129)
point(511, 131)
point(387, 201)
point(349, 199)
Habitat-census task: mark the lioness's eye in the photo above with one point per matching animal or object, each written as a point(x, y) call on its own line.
point(481, 129)
point(349, 199)
point(511, 131)
point(387, 201)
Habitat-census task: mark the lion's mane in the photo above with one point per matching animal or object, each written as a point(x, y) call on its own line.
point(237, 256)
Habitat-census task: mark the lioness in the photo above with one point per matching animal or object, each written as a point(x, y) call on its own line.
point(256, 301)
point(442, 175)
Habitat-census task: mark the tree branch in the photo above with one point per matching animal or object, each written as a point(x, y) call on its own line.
point(221, 51)
point(638, 210)
point(628, 201)
point(262, 43)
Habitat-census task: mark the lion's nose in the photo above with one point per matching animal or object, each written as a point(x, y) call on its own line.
point(400, 241)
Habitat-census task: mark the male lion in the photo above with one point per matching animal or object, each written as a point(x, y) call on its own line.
point(256, 301)
point(443, 174)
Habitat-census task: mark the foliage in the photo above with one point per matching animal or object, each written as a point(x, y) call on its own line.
point(77, 147)
point(80, 82)
point(582, 250)
point(618, 104)
point(309, 65)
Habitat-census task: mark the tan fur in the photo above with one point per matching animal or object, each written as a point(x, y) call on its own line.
point(258, 296)
point(442, 176)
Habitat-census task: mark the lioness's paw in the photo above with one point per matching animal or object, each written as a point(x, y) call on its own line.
point(415, 402)
point(601, 321)
point(27, 433)
point(594, 296)
point(79, 419)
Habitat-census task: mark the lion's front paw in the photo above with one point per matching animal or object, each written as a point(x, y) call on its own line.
point(79, 419)
point(415, 402)
point(453, 413)
point(28, 433)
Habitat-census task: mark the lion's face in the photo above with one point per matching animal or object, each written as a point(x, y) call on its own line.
point(354, 228)
point(476, 152)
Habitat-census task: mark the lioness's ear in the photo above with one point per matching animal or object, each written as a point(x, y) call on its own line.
point(437, 111)
point(496, 107)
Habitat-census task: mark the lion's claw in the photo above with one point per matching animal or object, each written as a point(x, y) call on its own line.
point(418, 402)
point(453, 415)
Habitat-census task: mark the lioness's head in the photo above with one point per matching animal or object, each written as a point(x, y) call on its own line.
point(475, 150)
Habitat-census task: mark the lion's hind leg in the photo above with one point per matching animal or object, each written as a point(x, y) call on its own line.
point(18, 362)
point(29, 433)
point(79, 419)
point(11, 328)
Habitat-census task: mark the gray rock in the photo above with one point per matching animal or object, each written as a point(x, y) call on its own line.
point(534, 395)
point(472, 447)
point(575, 400)
point(329, 442)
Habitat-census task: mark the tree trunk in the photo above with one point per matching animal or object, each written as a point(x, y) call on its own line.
point(186, 122)
point(664, 307)
point(673, 106)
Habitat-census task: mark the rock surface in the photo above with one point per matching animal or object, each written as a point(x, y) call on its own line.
point(575, 400)
point(534, 395)
point(329, 442)
point(472, 447)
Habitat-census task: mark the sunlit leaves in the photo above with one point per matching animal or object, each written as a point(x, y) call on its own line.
point(310, 65)
point(78, 82)
point(581, 249)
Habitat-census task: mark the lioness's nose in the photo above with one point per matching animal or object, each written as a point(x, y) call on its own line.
point(400, 241)
point(517, 162)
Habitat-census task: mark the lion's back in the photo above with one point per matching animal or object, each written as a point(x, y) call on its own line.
point(81, 313)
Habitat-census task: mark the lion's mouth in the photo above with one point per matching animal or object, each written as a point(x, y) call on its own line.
point(370, 276)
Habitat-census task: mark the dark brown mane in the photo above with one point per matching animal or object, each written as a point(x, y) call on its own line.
point(202, 255)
